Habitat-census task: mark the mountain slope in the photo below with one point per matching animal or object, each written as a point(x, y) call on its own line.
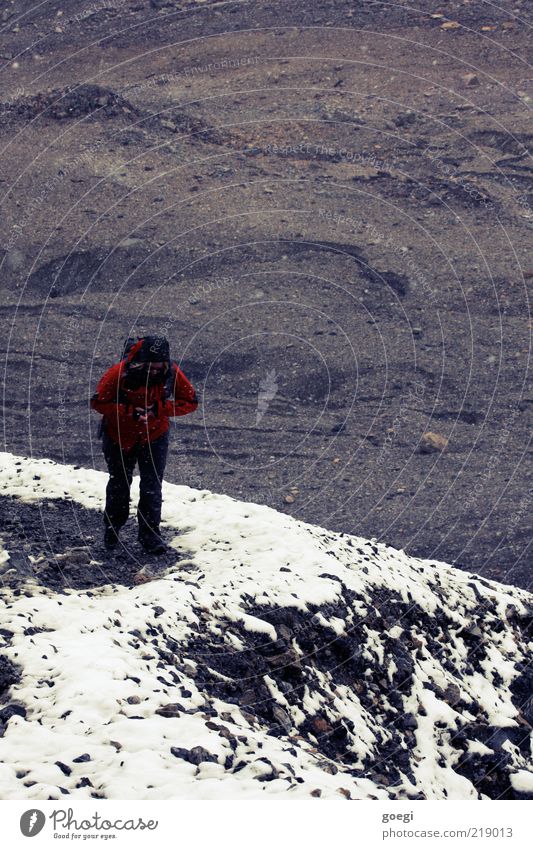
point(278, 659)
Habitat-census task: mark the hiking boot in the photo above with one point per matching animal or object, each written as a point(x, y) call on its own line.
point(153, 545)
point(110, 538)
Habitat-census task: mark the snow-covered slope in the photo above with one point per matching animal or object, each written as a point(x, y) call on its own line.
point(280, 660)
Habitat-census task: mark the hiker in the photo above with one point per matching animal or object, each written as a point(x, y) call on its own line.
point(135, 397)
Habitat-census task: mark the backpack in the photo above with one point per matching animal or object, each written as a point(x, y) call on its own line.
point(128, 345)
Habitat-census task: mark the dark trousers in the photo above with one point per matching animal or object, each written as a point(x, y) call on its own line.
point(151, 457)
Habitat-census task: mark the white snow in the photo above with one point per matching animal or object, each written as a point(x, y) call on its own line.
point(91, 686)
point(522, 781)
point(477, 748)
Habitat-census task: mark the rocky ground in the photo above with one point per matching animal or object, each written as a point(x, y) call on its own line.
point(327, 208)
point(73, 556)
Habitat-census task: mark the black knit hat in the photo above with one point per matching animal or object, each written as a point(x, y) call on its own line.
point(154, 349)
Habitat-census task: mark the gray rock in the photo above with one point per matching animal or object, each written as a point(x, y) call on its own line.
point(12, 710)
point(199, 755)
point(281, 716)
point(170, 710)
point(196, 755)
point(65, 769)
point(133, 243)
point(452, 694)
point(328, 766)
point(408, 721)
point(180, 753)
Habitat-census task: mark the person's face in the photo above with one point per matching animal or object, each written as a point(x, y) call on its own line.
point(149, 372)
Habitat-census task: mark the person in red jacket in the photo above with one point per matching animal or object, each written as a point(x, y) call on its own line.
point(136, 397)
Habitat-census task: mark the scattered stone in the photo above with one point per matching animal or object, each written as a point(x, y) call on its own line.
point(525, 403)
point(143, 576)
point(170, 710)
point(432, 442)
point(281, 716)
point(180, 753)
point(82, 758)
point(284, 632)
point(452, 694)
point(408, 721)
point(214, 726)
point(405, 119)
point(196, 755)
point(470, 79)
point(66, 770)
point(76, 556)
point(321, 725)
point(473, 631)
point(11, 710)
point(133, 243)
point(169, 125)
point(329, 767)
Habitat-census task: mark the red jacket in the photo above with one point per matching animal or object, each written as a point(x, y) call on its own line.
point(117, 404)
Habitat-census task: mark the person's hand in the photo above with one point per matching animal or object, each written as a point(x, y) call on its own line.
point(144, 414)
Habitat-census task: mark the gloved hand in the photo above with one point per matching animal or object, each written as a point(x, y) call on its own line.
point(144, 414)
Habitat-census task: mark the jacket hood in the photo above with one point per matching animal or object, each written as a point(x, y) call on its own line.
point(150, 349)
